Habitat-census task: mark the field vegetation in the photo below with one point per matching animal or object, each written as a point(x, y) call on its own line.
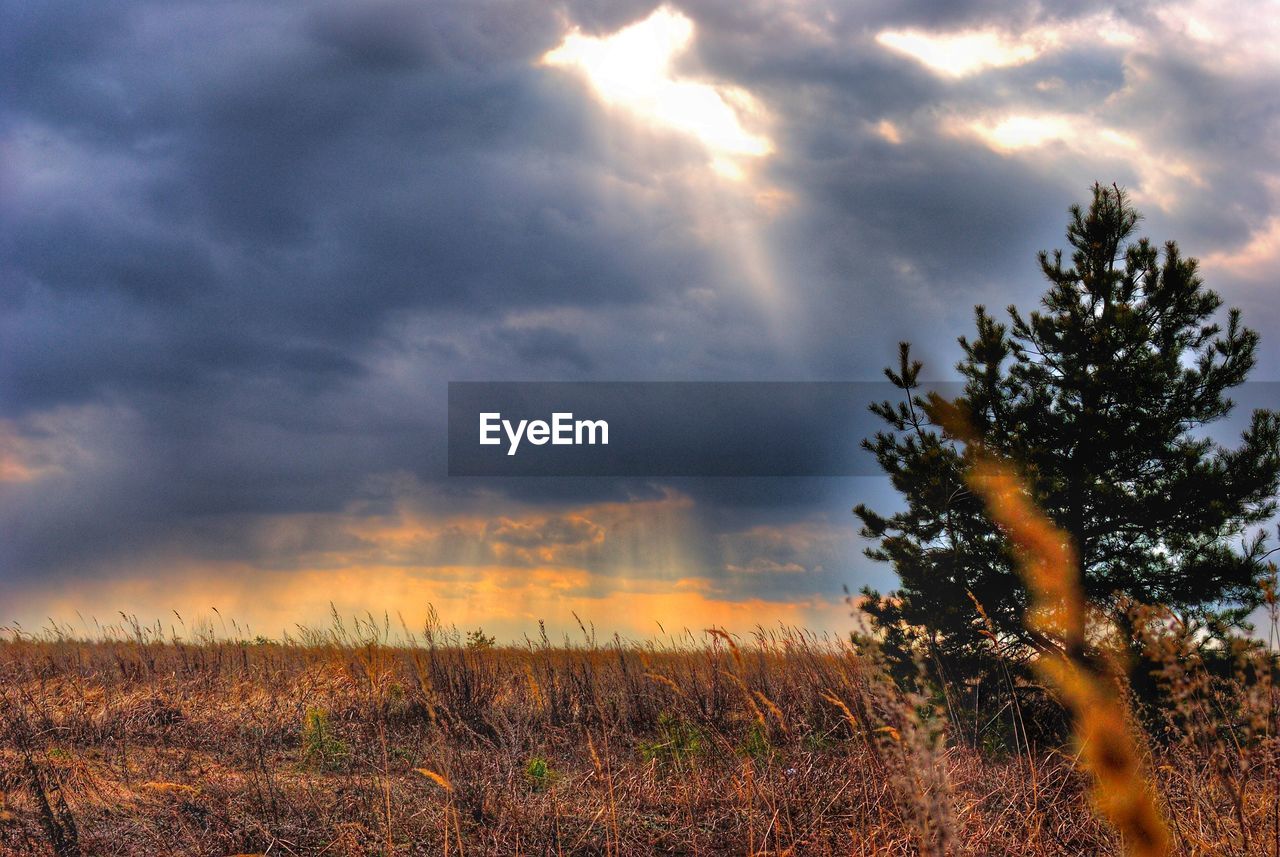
point(366, 738)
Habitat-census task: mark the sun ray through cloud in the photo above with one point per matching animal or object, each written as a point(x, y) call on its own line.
point(635, 70)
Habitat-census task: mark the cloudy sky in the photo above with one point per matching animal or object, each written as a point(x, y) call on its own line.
point(245, 245)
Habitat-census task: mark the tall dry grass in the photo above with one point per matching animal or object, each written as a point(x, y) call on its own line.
point(366, 738)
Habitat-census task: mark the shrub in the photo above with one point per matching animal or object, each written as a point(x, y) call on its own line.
point(539, 773)
point(320, 747)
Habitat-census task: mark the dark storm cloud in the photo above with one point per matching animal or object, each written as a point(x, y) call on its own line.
point(244, 246)
point(292, 182)
point(213, 213)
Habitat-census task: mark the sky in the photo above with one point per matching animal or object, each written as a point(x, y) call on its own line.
point(244, 246)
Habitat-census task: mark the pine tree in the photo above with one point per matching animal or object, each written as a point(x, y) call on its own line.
point(1099, 397)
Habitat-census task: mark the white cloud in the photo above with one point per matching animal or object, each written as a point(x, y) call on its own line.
point(1234, 38)
point(962, 53)
point(1256, 258)
point(1163, 176)
point(889, 132)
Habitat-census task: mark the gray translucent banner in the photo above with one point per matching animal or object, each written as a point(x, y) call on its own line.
point(703, 429)
point(694, 429)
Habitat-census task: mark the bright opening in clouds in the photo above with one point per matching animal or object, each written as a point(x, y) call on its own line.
point(1021, 132)
point(959, 54)
point(632, 69)
point(966, 52)
point(1166, 178)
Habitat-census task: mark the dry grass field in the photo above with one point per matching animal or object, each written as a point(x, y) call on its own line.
point(366, 739)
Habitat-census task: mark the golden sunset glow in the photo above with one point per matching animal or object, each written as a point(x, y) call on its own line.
point(506, 600)
point(633, 566)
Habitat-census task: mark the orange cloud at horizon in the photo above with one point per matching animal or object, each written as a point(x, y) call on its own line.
point(633, 567)
point(506, 601)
